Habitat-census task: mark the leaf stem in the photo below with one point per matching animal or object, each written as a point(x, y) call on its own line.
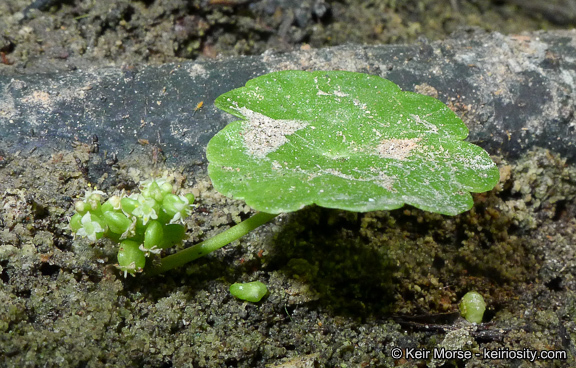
point(209, 245)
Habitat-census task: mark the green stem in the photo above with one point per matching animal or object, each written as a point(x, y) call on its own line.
point(211, 244)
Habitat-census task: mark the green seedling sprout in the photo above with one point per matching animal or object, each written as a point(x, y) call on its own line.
point(250, 291)
point(472, 307)
point(336, 139)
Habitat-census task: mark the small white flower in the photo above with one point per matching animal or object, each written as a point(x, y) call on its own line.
point(88, 194)
point(131, 268)
point(89, 229)
point(160, 181)
point(153, 250)
point(184, 209)
point(115, 201)
point(144, 209)
point(146, 183)
point(134, 196)
point(131, 231)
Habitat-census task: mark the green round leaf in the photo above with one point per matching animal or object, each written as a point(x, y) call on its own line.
point(344, 140)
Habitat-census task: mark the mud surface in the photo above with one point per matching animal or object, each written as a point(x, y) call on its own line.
point(48, 35)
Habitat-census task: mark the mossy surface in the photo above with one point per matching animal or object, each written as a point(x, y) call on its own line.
point(344, 287)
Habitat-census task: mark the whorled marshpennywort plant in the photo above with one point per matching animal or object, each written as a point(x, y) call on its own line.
point(336, 139)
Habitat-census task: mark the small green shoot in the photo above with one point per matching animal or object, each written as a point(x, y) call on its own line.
point(472, 307)
point(249, 291)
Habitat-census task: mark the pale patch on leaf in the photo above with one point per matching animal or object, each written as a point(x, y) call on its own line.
point(397, 149)
point(263, 135)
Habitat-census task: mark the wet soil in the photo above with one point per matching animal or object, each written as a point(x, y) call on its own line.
point(48, 35)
